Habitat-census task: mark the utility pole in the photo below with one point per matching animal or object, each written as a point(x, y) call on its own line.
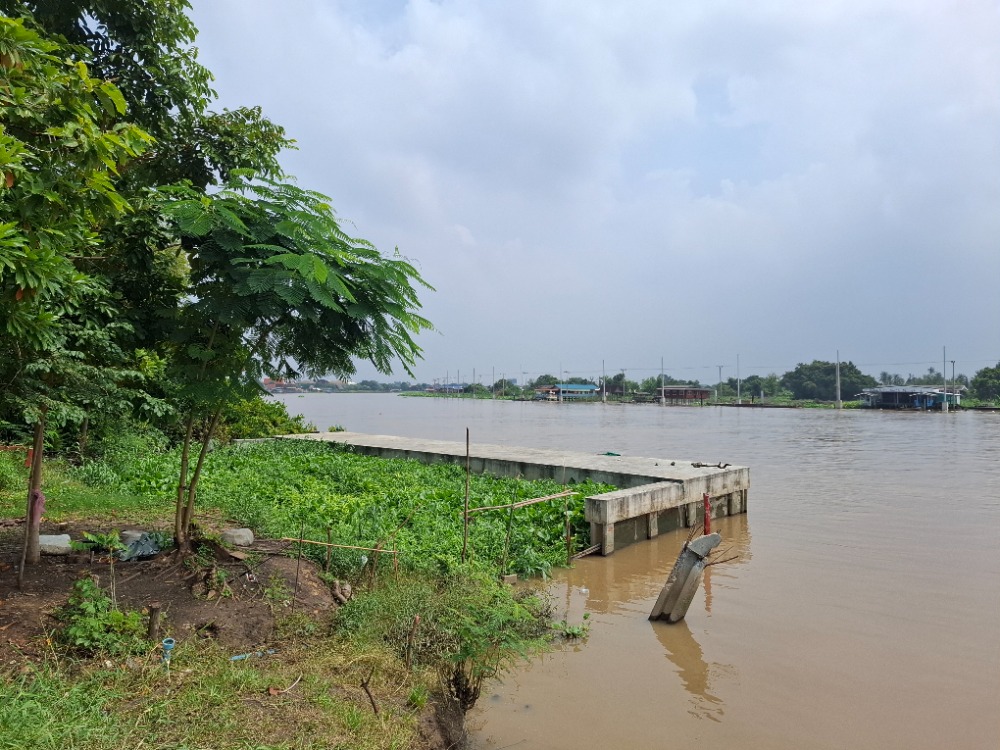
point(840, 404)
point(663, 394)
point(944, 373)
point(604, 385)
point(719, 385)
point(739, 399)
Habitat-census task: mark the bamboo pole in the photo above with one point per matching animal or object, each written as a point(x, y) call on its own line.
point(523, 503)
point(338, 546)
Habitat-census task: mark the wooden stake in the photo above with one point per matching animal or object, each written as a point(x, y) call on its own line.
point(465, 534)
point(153, 633)
point(298, 563)
point(410, 640)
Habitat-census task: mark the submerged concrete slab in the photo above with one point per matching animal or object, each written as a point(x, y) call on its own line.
point(654, 494)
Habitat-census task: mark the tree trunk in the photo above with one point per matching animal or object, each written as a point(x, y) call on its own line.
point(82, 442)
point(30, 554)
point(180, 527)
point(196, 474)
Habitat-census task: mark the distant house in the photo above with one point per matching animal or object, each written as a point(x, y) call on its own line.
point(562, 391)
point(683, 393)
point(910, 397)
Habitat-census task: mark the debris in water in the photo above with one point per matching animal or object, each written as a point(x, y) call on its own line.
point(682, 583)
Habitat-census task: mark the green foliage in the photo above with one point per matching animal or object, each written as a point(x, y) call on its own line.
point(275, 486)
point(986, 383)
point(133, 458)
point(573, 632)
point(471, 627)
point(13, 474)
point(90, 625)
point(108, 542)
point(61, 143)
point(257, 417)
point(817, 380)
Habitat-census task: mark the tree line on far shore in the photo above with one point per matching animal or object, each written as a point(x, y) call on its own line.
point(815, 381)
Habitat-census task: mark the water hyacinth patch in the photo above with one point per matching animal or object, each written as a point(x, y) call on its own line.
point(280, 487)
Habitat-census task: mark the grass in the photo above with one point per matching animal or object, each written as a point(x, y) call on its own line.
point(471, 626)
point(68, 497)
point(206, 701)
point(278, 487)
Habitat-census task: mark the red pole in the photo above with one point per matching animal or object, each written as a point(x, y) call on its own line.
point(708, 513)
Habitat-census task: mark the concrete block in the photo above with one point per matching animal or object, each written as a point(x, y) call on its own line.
point(238, 537)
point(54, 544)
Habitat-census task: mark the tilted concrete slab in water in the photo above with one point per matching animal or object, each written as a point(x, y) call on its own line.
point(654, 494)
point(682, 584)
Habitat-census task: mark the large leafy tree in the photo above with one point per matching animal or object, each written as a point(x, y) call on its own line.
point(222, 286)
point(148, 49)
point(986, 383)
point(818, 380)
point(62, 142)
point(277, 290)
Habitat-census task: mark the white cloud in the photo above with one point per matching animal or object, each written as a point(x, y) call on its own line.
point(775, 177)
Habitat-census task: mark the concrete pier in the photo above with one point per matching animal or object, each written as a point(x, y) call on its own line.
point(655, 494)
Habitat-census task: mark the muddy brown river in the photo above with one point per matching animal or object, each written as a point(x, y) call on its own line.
point(862, 609)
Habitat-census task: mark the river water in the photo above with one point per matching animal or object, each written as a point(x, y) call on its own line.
point(862, 609)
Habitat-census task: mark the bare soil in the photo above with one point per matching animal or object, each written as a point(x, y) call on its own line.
point(231, 596)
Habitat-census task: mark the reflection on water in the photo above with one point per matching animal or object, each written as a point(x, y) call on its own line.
point(685, 653)
point(864, 611)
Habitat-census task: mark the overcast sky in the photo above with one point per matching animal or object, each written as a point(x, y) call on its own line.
point(623, 181)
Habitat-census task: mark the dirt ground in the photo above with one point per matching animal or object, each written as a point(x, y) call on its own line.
point(232, 596)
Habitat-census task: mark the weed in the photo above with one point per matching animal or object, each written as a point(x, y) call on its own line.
point(418, 698)
point(572, 632)
point(91, 625)
point(297, 625)
point(277, 591)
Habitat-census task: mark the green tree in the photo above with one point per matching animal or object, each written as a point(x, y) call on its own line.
point(985, 383)
point(148, 49)
point(62, 141)
point(277, 290)
point(932, 377)
point(504, 387)
point(543, 380)
point(888, 378)
point(817, 380)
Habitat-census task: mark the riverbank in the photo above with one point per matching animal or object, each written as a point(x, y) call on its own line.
point(390, 648)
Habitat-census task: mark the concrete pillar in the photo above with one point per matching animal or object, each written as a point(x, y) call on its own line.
point(691, 510)
point(652, 525)
point(607, 539)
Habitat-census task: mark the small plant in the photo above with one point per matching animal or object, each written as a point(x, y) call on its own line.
point(572, 632)
point(418, 698)
point(92, 625)
point(202, 558)
point(299, 625)
point(276, 591)
point(112, 544)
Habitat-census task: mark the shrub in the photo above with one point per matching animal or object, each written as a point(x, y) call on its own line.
point(260, 418)
point(91, 625)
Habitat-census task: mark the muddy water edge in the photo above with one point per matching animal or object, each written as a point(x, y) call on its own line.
point(862, 609)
